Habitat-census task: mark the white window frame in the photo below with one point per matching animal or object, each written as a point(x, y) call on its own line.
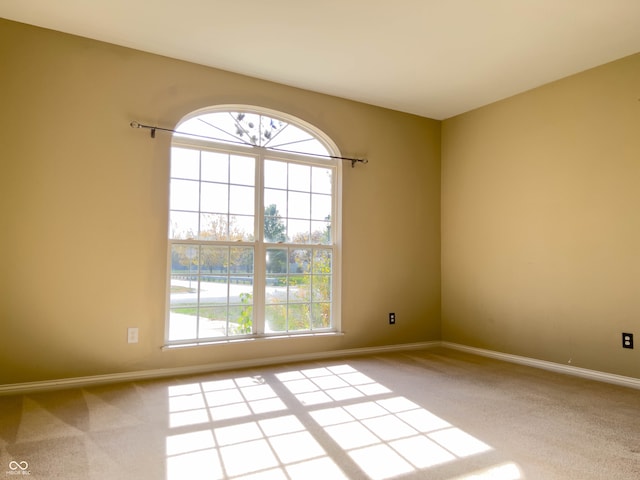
point(260, 246)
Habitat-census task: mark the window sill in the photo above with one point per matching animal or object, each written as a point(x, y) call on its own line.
point(261, 338)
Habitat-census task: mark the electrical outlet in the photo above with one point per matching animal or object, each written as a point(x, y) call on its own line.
point(392, 319)
point(132, 335)
point(627, 340)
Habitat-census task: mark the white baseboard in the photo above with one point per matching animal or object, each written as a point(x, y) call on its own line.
point(554, 367)
point(80, 382)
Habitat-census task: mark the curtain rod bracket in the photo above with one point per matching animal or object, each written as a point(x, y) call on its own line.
point(357, 160)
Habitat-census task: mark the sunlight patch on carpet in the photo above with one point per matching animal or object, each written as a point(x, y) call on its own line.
point(329, 422)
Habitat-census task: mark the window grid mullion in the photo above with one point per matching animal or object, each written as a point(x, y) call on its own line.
point(259, 260)
point(311, 284)
point(199, 248)
point(228, 283)
point(227, 214)
point(288, 302)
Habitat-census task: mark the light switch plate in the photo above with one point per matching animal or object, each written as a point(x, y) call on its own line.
point(132, 335)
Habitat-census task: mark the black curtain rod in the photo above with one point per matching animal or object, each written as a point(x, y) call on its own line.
point(153, 130)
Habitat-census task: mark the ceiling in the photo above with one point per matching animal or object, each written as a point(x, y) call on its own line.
point(434, 58)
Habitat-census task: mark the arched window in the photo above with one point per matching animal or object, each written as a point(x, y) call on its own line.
point(254, 227)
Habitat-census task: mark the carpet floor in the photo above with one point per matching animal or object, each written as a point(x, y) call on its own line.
point(428, 414)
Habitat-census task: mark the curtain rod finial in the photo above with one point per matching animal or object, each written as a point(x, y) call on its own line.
point(357, 160)
point(134, 124)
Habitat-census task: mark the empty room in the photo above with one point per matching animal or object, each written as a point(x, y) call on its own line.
point(333, 240)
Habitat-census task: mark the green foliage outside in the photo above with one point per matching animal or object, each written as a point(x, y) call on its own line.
point(245, 321)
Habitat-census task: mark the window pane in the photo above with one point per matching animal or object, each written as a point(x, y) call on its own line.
point(242, 170)
point(320, 207)
point(275, 174)
point(299, 177)
point(212, 322)
point(214, 227)
point(298, 231)
point(300, 261)
point(300, 288)
point(240, 320)
point(276, 260)
point(271, 129)
point(275, 202)
point(183, 296)
point(184, 288)
point(276, 290)
point(274, 230)
point(241, 200)
point(297, 140)
point(183, 225)
point(321, 180)
point(310, 146)
point(184, 260)
point(299, 205)
point(184, 195)
point(214, 197)
point(215, 167)
point(242, 259)
point(290, 134)
point(241, 290)
point(185, 163)
point(321, 233)
point(275, 318)
point(214, 290)
point(214, 261)
point(322, 261)
point(182, 326)
point(242, 228)
point(247, 126)
point(321, 315)
point(195, 126)
point(202, 126)
point(321, 288)
point(299, 317)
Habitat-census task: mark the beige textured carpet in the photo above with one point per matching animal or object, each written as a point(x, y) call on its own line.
point(434, 414)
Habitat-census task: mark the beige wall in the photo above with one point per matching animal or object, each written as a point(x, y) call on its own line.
point(540, 233)
point(83, 203)
point(541, 222)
